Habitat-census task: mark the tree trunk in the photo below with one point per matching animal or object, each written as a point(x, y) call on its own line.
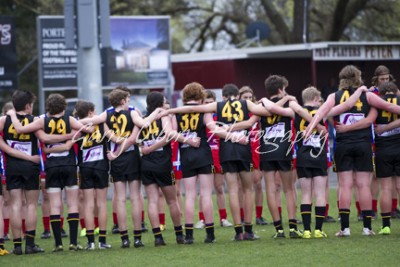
point(345, 12)
point(277, 20)
point(298, 21)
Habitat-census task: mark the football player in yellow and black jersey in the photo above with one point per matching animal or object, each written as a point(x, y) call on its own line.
point(276, 155)
point(235, 153)
point(311, 165)
point(22, 174)
point(22, 171)
point(21, 151)
point(125, 169)
point(197, 163)
point(93, 170)
point(381, 75)
point(387, 160)
point(156, 169)
point(353, 153)
point(60, 166)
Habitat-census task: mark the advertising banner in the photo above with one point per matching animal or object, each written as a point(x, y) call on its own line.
point(58, 65)
point(8, 54)
point(139, 55)
point(139, 52)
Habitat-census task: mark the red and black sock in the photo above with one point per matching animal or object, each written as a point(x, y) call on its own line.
point(375, 205)
point(358, 208)
point(222, 214)
point(259, 210)
point(46, 223)
point(115, 218)
point(23, 226)
point(394, 204)
point(6, 226)
point(201, 216)
point(241, 214)
point(82, 223)
point(161, 218)
point(326, 210)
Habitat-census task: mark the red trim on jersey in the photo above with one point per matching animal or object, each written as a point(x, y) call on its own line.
point(214, 145)
point(175, 159)
point(255, 144)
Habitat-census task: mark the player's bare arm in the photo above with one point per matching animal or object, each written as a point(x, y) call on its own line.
point(16, 153)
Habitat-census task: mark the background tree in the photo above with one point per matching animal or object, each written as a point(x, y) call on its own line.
point(327, 20)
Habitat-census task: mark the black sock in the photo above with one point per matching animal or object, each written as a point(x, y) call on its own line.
point(278, 225)
point(248, 228)
point(90, 235)
point(55, 222)
point(137, 234)
point(102, 236)
point(17, 242)
point(73, 221)
point(319, 217)
point(238, 229)
point(157, 232)
point(305, 210)
point(1, 243)
point(367, 217)
point(124, 235)
point(344, 218)
point(386, 219)
point(178, 230)
point(293, 224)
point(30, 238)
point(189, 229)
point(210, 229)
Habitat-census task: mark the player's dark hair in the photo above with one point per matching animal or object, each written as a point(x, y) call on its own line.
point(230, 90)
point(82, 109)
point(55, 104)
point(21, 98)
point(154, 100)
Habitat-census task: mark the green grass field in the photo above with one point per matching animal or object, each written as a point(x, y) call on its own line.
point(357, 250)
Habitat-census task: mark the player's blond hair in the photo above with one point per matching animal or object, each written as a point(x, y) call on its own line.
point(310, 93)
